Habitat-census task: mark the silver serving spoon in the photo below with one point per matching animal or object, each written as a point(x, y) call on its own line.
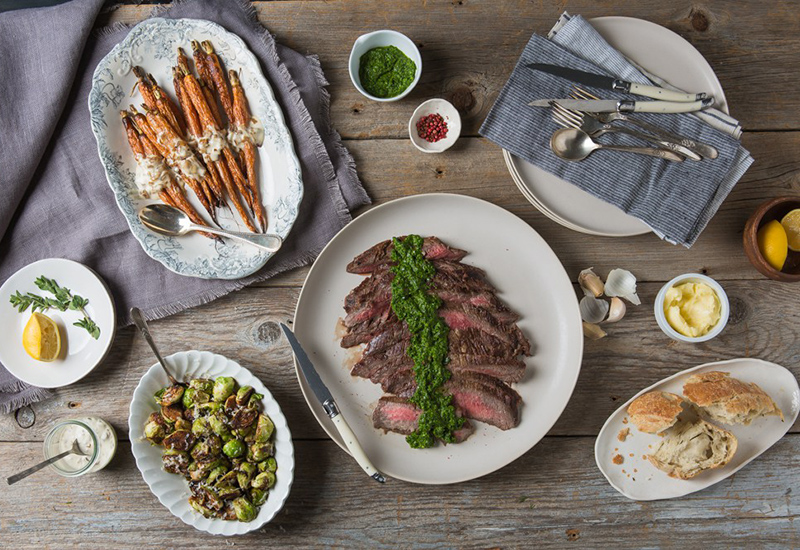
point(574, 144)
point(141, 324)
point(169, 221)
point(75, 450)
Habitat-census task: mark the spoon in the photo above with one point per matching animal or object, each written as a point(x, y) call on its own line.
point(141, 324)
point(172, 222)
point(575, 144)
point(75, 450)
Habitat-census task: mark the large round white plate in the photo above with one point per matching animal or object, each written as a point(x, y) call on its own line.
point(80, 353)
point(172, 490)
point(528, 277)
point(153, 45)
point(638, 479)
point(660, 51)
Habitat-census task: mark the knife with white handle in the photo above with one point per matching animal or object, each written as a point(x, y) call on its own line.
point(331, 409)
point(626, 105)
point(609, 83)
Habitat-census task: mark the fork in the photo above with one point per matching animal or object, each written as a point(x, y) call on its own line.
point(702, 149)
point(576, 119)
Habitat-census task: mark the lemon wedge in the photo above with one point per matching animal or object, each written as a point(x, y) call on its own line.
point(773, 244)
point(41, 338)
point(791, 223)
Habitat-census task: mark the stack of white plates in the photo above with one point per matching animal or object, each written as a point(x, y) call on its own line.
point(660, 51)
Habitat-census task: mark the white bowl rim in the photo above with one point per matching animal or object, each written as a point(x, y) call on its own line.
point(456, 121)
point(664, 325)
point(357, 81)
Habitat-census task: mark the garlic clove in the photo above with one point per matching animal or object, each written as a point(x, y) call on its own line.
point(616, 311)
point(591, 284)
point(622, 283)
point(593, 331)
point(593, 310)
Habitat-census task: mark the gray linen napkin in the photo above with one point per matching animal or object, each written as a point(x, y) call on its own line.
point(677, 200)
point(56, 201)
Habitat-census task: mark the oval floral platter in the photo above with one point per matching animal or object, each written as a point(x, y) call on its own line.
point(153, 45)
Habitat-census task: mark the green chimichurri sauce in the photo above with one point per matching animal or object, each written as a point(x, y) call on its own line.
point(412, 303)
point(386, 71)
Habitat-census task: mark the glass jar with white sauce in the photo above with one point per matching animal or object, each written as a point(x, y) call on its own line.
point(96, 438)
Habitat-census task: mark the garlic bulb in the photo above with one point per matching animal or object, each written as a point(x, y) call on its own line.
point(592, 309)
point(591, 284)
point(616, 310)
point(622, 283)
point(593, 331)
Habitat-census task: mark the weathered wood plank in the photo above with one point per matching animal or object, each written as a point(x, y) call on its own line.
point(547, 498)
point(764, 324)
point(469, 48)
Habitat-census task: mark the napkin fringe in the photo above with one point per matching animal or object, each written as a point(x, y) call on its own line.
point(23, 395)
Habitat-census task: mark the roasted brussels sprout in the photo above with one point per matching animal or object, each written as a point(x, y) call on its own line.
point(172, 413)
point(224, 386)
point(227, 492)
point(246, 473)
point(201, 427)
point(230, 404)
point(183, 424)
point(202, 468)
point(202, 384)
point(204, 450)
point(180, 440)
point(245, 511)
point(264, 480)
point(215, 474)
point(243, 418)
point(255, 400)
point(175, 462)
point(264, 428)
point(219, 427)
point(170, 396)
point(271, 464)
point(209, 408)
point(194, 502)
point(234, 448)
point(154, 432)
point(193, 397)
point(260, 451)
point(258, 496)
point(243, 395)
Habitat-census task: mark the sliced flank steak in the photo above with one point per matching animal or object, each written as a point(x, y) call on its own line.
point(395, 414)
point(381, 254)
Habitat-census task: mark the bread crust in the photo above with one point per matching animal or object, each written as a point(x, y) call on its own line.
point(727, 399)
point(655, 411)
point(680, 467)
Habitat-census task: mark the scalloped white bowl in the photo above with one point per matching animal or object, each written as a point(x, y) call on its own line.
point(172, 490)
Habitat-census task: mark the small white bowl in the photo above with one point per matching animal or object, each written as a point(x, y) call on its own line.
point(451, 117)
point(376, 39)
point(661, 318)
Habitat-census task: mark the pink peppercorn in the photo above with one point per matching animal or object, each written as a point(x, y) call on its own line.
point(432, 128)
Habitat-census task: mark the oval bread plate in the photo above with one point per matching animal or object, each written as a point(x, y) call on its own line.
point(172, 490)
point(153, 45)
point(650, 483)
point(528, 277)
point(80, 353)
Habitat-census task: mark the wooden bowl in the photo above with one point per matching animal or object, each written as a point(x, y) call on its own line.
point(774, 209)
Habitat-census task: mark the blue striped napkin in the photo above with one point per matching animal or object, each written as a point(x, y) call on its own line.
point(676, 200)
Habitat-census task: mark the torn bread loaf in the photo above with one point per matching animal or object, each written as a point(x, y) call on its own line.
point(727, 399)
point(655, 411)
point(692, 447)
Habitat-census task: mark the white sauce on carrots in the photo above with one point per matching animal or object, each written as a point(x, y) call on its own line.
point(253, 132)
point(152, 176)
point(211, 144)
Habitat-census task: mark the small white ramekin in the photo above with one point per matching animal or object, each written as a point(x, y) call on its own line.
point(451, 118)
point(376, 39)
point(661, 318)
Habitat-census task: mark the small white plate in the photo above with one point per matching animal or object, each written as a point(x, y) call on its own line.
point(451, 118)
point(638, 479)
point(80, 353)
point(660, 51)
point(172, 490)
point(529, 278)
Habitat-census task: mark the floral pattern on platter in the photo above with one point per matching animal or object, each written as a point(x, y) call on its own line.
point(153, 45)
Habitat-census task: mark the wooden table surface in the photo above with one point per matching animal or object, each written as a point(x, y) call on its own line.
point(554, 495)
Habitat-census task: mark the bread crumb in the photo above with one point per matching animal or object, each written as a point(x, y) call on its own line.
point(635, 471)
point(625, 420)
point(624, 472)
point(623, 434)
point(631, 455)
point(644, 457)
point(618, 459)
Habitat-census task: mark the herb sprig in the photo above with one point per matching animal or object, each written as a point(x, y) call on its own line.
point(64, 300)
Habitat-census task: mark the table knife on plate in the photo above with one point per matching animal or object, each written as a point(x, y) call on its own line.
point(626, 105)
point(610, 83)
point(331, 409)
